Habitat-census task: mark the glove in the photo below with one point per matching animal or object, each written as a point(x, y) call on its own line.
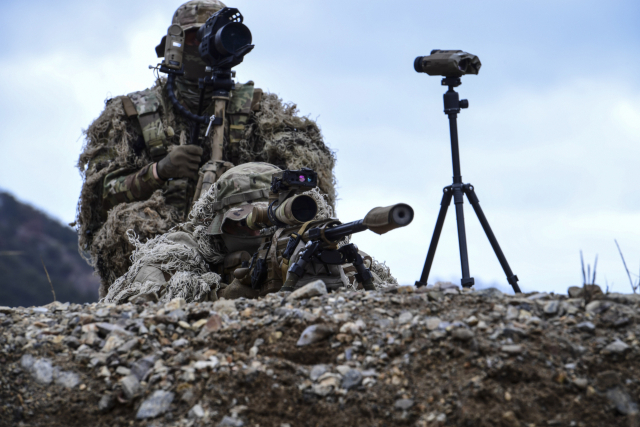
point(181, 162)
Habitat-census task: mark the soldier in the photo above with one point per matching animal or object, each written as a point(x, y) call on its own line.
point(140, 175)
point(197, 259)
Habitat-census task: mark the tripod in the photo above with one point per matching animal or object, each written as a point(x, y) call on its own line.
point(452, 106)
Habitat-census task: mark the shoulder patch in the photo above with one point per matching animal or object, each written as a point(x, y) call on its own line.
point(146, 101)
point(129, 108)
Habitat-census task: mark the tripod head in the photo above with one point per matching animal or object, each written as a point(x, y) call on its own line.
point(452, 102)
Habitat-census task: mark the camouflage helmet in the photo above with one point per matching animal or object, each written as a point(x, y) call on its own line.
point(240, 189)
point(194, 13)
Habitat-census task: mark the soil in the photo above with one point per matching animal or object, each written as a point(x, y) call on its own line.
point(480, 366)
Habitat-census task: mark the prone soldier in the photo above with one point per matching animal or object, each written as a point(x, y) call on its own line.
point(228, 249)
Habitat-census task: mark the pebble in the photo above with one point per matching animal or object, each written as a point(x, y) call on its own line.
point(175, 304)
point(586, 327)
point(121, 370)
point(315, 333)
point(130, 386)
point(575, 292)
point(107, 402)
point(551, 307)
point(196, 412)
point(142, 366)
point(230, 422)
point(310, 290)
point(317, 371)
point(490, 293)
point(405, 317)
point(433, 323)
point(351, 379)
point(157, 404)
point(616, 347)
point(403, 404)
point(511, 349)
point(622, 401)
point(225, 306)
point(181, 342)
point(463, 334)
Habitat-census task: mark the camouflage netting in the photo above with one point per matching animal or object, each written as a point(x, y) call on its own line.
point(281, 137)
point(275, 134)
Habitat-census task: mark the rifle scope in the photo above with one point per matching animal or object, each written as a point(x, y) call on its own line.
point(293, 211)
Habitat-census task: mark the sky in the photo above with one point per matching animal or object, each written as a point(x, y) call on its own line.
point(550, 141)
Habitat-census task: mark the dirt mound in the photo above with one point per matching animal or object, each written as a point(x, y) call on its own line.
point(433, 357)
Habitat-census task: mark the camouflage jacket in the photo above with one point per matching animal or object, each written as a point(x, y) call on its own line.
point(151, 114)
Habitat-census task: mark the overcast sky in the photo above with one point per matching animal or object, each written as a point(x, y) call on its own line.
point(551, 140)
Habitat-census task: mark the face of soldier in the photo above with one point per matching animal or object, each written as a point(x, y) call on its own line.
point(194, 66)
point(238, 237)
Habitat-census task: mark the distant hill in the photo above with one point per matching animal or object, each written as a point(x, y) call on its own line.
point(27, 235)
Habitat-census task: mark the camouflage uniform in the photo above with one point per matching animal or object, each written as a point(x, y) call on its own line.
point(120, 191)
point(210, 258)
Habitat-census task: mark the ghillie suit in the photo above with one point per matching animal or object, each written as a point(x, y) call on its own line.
point(120, 191)
point(191, 260)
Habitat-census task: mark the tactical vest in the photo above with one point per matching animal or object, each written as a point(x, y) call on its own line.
point(148, 107)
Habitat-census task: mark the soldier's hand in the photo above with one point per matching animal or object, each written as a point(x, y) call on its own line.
point(182, 162)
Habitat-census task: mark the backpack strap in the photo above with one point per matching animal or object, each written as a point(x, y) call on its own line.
point(148, 104)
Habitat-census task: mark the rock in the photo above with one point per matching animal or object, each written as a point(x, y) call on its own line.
point(512, 313)
point(352, 327)
point(128, 346)
point(66, 379)
point(175, 304)
point(42, 371)
point(405, 317)
point(225, 306)
point(27, 361)
point(112, 342)
point(196, 412)
point(616, 347)
point(352, 378)
point(471, 321)
point(121, 370)
point(309, 290)
point(343, 369)
point(551, 308)
point(597, 306)
point(130, 386)
point(230, 422)
point(403, 404)
point(107, 402)
point(213, 324)
point(432, 323)
point(462, 334)
point(437, 335)
point(157, 404)
point(182, 342)
point(511, 349)
point(538, 296)
point(142, 366)
point(575, 292)
point(315, 333)
point(586, 327)
point(622, 401)
point(490, 293)
point(581, 383)
point(317, 371)
point(71, 341)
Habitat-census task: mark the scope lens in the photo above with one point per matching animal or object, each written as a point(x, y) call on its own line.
point(301, 178)
point(462, 65)
point(232, 37)
point(304, 208)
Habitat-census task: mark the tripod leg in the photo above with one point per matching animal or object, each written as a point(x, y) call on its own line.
point(444, 205)
point(473, 199)
point(458, 198)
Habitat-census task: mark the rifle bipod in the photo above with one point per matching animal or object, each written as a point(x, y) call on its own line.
point(318, 250)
